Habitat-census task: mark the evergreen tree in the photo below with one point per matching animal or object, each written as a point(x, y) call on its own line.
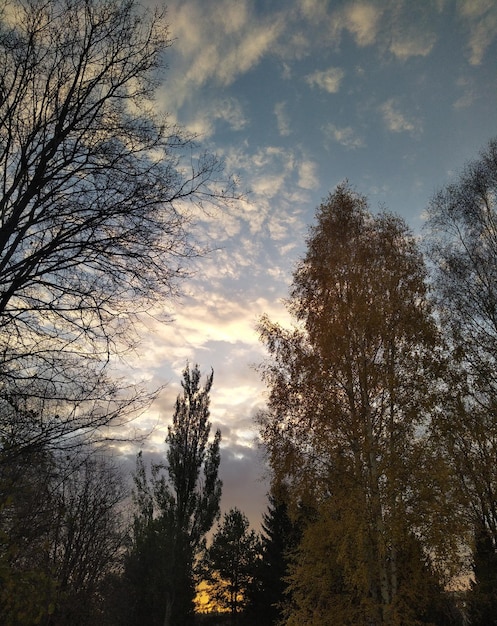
point(279, 537)
point(230, 562)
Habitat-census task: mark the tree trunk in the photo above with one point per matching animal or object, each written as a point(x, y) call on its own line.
point(169, 609)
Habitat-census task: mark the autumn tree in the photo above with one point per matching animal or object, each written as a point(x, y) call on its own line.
point(175, 508)
point(461, 234)
point(231, 562)
point(482, 599)
point(351, 389)
point(94, 195)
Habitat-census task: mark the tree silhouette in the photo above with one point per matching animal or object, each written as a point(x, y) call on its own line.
point(175, 508)
point(93, 202)
point(230, 562)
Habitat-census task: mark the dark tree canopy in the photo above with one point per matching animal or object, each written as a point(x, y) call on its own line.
point(461, 234)
point(231, 562)
point(61, 533)
point(268, 593)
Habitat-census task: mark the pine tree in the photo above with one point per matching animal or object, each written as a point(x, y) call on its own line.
point(231, 562)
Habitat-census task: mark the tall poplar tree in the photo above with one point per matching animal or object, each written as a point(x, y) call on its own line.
point(175, 508)
point(347, 425)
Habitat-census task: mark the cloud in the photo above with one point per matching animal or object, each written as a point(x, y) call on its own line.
point(345, 136)
point(228, 110)
point(245, 485)
point(361, 19)
point(220, 41)
point(307, 175)
point(396, 121)
point(468, 94)
point(282, 119)
point(481, 19)
point(253, 45)
point(420, 44)
point(313, 10)
point(329, 80)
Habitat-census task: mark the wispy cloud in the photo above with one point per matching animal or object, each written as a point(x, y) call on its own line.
point(345, 136)
point(468, 95)
point(221, 41)
point(481, 19)
point(307, 175)
point(228, 111)
point(329, 80)
point(313, 10)
point(398, 122)
point(411, 45)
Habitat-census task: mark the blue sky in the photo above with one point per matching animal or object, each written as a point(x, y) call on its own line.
point(296, 96)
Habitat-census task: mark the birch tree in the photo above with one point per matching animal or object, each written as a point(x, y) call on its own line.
point(461, 236)
point(351, 388)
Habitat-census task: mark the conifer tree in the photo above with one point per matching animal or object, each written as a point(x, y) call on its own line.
point(230, 562)
point(279, 538)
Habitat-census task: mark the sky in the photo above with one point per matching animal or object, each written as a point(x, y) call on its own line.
point(296, 96)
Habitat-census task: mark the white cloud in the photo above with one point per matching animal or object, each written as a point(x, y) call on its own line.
point(268, 185)
point(228, 110)
point(314, 10)
point(220, 41)
point(329, 80)
point(413, 44)
point(307, 175)
point(345, 136)
point(361, 19)
point(396, 121)
point(253, 45)
point(282, 119)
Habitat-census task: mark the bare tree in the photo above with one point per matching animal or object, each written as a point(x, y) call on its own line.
point(94, 197)
point(62, 531)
